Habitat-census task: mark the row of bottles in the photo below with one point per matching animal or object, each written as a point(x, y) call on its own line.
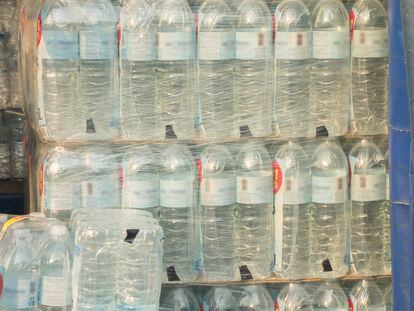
point(204, 79)
point(233, 211)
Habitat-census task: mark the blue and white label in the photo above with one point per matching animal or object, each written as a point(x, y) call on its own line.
point(143, 193)
point(19, 292)
point(368, 187)
point(97, 44)
point(292, 45)
point(139, 46)
point(217, 45)
point(252, 45)
point(61, 196)
point(100, 193)
point(329, 189)
point(174, 46)
point(297, 190)
point(56, 291)
point(177, 193)
point(331, 44)
point(59, 44)
point(255, 189)
point(218, 191)
point(370, 43)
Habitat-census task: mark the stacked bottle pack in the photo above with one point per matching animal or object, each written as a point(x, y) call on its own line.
point(177, 145)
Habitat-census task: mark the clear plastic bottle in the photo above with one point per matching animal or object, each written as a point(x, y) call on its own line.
point(177, 212)
point(61, 194)
point(178, 299)
point(176, 70)
point(98, 71)
point(388, 297)
point(387, 218)
point(253, 67)
point(293, 191)
point(294, 297)
point(20, 273)
point(330, 296)
point(328, 213)
point(330, 69)
point(254, 298)
point(215, 64)
point(366, 295)
point(138, 55)
point(370, 67)
point(219, 299)
point(56, 272)
point(292, 68)
point(141, 186)
point(100, 180)
point(368, 184)
point(18, 161)
point(217, 219)
point(5, 55)
point(253, 213)
point(60, 113)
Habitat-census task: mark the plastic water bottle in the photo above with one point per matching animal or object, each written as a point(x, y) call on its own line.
point(62, 171)
point(215, 62)
point(328, 213)
point(176, 76)
point(219, 298)
point(330, 296)
point(138, 54)
point(254, 298)
point(370, 67)
point(294, 297)
point(98, 69)
point(177, 212)
point(4, 64)
point(293, 191)
point(100, 180)
point(253, 67)
point(20, 273)
point(218, 200)
point(388, 298)
point(253, 211)
point(18, 161)
point(292, 72)
point(56, 272)
point(178, 299)
point(368, 183)
point(366, 295)
point(141, 186)
point(387, 218)
point(60, 114)
point(330, 69)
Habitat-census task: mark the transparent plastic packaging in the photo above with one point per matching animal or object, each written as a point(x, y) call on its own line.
point(366, 295)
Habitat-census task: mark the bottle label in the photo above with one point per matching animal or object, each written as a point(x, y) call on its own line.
point(297, 190)
point(19, 293)
point(370, 43)
point(139, 46)
point(329, 190)
point(141, 193)
point(216, 45)
point(100, 193)
point(330, 44)
point(255, 189)
point(368, 187)
point(176, 193)
point(97, 44)
point(59, 45)
point(292, 45)
point(59, 196)
point(252, 44)
point(387, 187)
point(218, 191)
point(174, 46)
point(55, 291)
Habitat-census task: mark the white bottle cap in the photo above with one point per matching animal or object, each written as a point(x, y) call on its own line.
point(58, 230)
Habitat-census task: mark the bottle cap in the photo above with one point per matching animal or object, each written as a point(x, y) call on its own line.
point(58, 230)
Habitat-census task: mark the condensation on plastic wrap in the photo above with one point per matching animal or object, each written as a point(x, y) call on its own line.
point(85, 79)
point(118, 259)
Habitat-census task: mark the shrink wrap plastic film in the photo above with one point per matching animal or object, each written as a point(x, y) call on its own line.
point(97, 72)
point(237, 211)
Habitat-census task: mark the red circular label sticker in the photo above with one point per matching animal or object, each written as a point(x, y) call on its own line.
point(277, 177)
point(39, 30)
